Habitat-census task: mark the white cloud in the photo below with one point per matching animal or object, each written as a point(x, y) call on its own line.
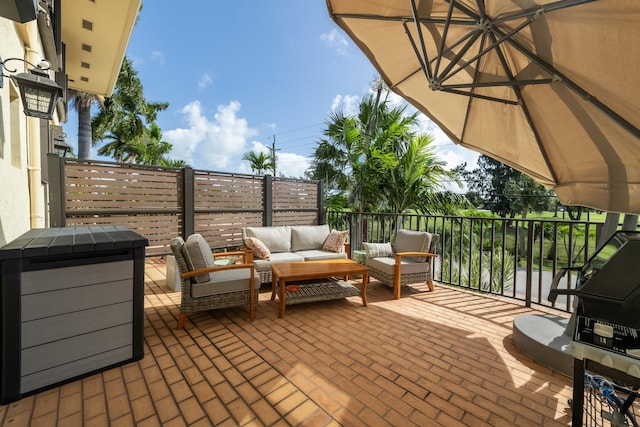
point(349, 104)
point(213, 144)
point(335, 40)
point(291, 164)
point(157, 56)
point(204, 81)
point(219, 143)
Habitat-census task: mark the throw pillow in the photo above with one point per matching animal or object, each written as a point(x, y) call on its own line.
point(375, 250)
point(260, 250)
point(335, 241)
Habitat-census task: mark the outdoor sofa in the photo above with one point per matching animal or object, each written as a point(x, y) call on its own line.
point(292, 244)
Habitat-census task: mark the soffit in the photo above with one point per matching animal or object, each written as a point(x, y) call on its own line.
point(96, 34)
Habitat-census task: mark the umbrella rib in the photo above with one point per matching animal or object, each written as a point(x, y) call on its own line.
point(423, 66)
point(425, 59)
point(562, 4)
point(493, 46)
point(525, 111)
point(499, 83)
point(464, 49)
point(478, 96)
point(481, 8)
point(443, 39)
point(558, 76)
point(472, 93)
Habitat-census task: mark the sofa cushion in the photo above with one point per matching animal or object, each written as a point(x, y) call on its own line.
point(306, 237)
point(277, 239)
point(226, 281)
point(375, 250)
point(387, 265)
point(197, 255)
point(335, 241)
point(263, 264)
point(412, 241)
point(260, 250)
point(318, 255)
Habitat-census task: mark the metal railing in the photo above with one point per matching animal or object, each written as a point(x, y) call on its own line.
point(514, 258)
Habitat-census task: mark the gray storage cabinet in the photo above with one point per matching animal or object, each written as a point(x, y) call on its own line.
point(72, 305)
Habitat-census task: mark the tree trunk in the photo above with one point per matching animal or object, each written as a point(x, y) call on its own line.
point(84, 130)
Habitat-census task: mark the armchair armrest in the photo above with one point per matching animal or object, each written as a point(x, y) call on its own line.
point(248, 254)
point(399, 255)
point(243, 254)
point(398, 262)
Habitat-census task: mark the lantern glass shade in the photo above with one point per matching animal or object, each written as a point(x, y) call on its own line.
point(61, 148)
point(39, 94)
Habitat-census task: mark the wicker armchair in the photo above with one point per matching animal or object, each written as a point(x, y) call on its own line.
point(205, 286)
point(409, 260)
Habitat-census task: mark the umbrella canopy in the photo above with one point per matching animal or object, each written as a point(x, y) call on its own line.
point(550, 88)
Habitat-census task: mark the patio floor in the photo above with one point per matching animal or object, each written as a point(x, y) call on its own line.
point(430, 358)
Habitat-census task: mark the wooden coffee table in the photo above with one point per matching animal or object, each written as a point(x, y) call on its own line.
point(282, 273)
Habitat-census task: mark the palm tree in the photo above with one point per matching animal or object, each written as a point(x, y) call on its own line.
point(82, 102)
point(127, 110)
point(155, 149)
point(259, 161)
point(118, 147)
point(415, 181)
point(377, 161)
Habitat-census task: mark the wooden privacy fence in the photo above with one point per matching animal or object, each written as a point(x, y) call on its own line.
point(161, 203)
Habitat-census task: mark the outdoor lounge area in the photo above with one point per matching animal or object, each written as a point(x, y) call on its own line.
point(429, 358)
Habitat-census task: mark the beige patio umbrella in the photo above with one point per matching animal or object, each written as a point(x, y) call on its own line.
point(550, 88)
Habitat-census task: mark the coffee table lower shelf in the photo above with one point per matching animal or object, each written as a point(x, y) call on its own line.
point(325, 290)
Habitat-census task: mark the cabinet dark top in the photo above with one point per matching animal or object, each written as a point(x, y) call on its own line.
point(69, 240)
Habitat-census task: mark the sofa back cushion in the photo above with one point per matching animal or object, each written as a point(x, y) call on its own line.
point(412, 241)
point(276, 239)
point(197, 254)
point(308, 237)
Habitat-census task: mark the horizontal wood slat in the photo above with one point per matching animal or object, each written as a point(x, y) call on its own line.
point(150, 200)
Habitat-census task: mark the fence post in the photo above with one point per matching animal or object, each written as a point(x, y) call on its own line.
point(188, 202)
point(57, 206)
point(267, 219)
point(320, 203)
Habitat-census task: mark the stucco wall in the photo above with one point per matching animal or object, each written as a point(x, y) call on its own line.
point(14, 180)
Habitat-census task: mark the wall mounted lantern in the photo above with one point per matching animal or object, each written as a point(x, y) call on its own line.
point(60, 147)
point(38, 92)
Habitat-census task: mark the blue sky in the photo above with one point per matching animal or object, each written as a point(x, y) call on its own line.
point(239, 75)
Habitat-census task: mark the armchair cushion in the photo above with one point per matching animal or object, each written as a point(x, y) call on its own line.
point(375, 250)
point(387, 265)
point(225, 281)
point(307, 237)
point(412, 241)
point(197, 254)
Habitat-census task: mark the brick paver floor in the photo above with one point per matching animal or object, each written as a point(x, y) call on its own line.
point(430, 358)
